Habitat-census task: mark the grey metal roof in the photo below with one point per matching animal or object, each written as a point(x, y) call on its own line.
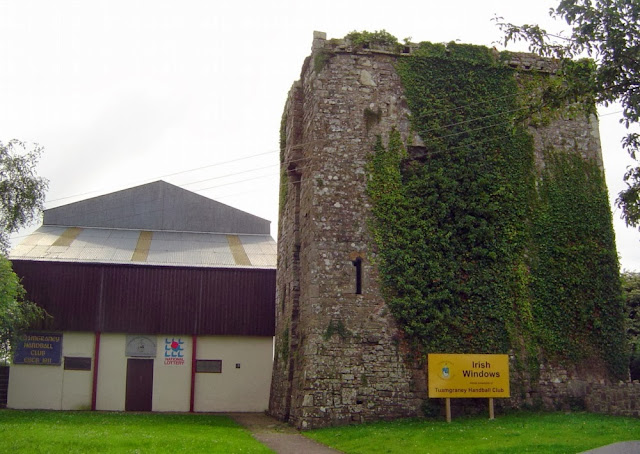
point(103, 245)
point(156, 206)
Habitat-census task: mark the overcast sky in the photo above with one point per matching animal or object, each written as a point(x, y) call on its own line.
point(121, 93)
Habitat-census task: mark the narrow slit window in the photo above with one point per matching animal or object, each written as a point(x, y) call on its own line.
point(357, 263)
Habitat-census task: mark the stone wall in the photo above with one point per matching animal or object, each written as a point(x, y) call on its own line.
point(622, 399)
point(560, 388)
point(554, 386)
point(339, 356)
point(576, 389)
point(343, 361)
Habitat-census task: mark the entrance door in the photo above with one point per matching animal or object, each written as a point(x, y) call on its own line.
point(139, 385)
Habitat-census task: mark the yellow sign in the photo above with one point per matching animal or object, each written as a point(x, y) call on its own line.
point(468, 375)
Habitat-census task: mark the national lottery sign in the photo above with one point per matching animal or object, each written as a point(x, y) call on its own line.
point(453, 375)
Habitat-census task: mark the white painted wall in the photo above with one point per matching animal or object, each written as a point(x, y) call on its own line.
point(52, 387)
point(235, 389)
point(243, 389)
point(77, 384)
point(172, 382)
point(112, 372)
point(35, 387)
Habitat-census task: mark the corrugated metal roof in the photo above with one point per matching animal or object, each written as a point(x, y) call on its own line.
point(156, 206)
point(101, 245)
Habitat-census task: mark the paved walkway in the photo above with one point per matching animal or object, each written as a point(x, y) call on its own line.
point(624, 447)
point(279, 436)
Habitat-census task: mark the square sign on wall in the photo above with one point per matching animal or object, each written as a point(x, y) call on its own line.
point(39, 349)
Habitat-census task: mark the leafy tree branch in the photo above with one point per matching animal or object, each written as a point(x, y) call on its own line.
point(22, 195)
point(22, 192)
point(608, 31)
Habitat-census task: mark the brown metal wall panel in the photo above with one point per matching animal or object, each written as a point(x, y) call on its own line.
point(66, 292)
point(236, 309)
point(152, 299)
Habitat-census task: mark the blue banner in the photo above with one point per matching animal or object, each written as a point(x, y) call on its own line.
point(39, 349)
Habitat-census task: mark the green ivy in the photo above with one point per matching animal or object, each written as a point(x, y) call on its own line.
point(378, 37)
point(631, 291)
point(336, 327)
point(469, 53)
point(476, 251)
point(320, 60)
point(283, 348)
point(283, 136)
point(371, 118)
point(578, 300)
point(284, 180)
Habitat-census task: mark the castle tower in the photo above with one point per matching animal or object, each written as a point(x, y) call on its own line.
point(340, 355)
point(337, 355)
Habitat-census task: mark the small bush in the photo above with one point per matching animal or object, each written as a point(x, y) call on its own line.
point(430, 408)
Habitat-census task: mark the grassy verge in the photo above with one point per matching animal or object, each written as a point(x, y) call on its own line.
point(88, 432)
point(517, 432)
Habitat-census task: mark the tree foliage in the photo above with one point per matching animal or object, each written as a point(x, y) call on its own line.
point(21, 190)
point(609, 32)
point(16, 313)
point(21, 200)
point(631, 291)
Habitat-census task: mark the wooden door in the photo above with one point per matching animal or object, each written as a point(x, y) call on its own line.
point(139, 385)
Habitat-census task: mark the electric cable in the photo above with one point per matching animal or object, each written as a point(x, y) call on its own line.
point(325, 140)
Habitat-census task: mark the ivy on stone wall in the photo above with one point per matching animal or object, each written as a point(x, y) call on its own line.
point(578, 302)
point(367, 39)
point(284, 180)
point(477, 253)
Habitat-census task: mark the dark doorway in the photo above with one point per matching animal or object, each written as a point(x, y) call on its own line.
point(139, 385)
point(4, 385)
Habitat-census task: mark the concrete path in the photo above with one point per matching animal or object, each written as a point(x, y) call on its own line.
point(624, 447)
point(279, 436)
point(284, 439)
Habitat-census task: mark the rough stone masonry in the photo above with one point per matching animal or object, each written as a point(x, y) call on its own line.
point(339, 356)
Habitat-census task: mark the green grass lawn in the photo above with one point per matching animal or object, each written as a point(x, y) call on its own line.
point(87, 432)
point(91, 432)
point(512, 433)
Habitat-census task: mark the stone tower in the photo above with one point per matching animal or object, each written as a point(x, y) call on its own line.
point(339, 354)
